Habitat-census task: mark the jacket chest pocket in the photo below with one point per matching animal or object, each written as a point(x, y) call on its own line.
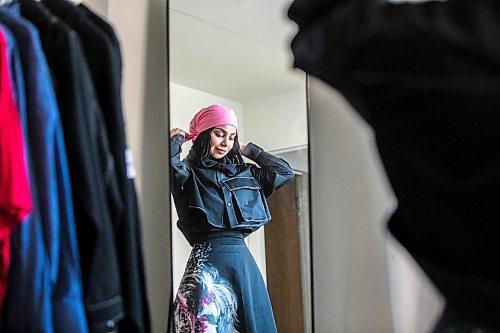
point(246, 192)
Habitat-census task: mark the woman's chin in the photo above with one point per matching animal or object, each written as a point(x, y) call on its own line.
point(217, 156)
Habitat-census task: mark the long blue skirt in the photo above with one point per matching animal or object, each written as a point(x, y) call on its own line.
point(222, 290)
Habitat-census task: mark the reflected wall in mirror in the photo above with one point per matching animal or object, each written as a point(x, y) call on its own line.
point(236, 53)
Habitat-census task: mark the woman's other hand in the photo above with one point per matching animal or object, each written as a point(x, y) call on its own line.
point(175, 131)
point(242, 146)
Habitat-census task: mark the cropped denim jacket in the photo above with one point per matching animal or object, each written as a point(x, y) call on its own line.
point(208, 200)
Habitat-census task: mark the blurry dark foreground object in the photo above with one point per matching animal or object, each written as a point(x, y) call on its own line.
point(426, 77)
point(450, 322)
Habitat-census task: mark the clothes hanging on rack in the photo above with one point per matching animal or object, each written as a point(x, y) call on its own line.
point(91, 165)
point(131, 259)
point(92, 188)
point(45, 271)
point(102, 50)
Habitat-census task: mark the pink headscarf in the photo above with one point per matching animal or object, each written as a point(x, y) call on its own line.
point(211, 116)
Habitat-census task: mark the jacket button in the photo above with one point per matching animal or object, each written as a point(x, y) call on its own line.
point(229, 204)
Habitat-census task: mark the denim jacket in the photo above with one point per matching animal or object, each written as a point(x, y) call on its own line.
point(208, 200)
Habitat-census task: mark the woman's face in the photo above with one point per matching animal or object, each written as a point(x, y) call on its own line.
point(221, 140)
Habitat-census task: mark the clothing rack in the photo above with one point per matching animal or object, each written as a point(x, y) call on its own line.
point(64, 58)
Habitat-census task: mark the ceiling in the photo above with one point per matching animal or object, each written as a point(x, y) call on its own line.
point(237, 49)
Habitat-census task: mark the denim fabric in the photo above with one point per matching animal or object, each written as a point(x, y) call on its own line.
point(232, 202)
point(45, 276)
point(222, 289)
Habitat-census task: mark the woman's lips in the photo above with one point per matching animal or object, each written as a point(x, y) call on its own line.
point(220, 151)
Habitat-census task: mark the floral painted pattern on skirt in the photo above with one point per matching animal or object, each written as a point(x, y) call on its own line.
point(222, 290)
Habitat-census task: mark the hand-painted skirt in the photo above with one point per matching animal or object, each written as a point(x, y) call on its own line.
point(222, 290)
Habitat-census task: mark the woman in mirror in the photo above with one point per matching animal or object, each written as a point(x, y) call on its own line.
point(220, 200)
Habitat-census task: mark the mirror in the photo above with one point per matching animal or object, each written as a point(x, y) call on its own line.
point(236, 53)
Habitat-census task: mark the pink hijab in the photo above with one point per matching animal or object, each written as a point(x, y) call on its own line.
point(211, 116)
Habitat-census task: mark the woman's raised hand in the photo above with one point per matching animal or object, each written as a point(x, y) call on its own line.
point(176, 130)
point(242, 146)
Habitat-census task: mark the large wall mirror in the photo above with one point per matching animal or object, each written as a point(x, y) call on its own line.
point(236, 53)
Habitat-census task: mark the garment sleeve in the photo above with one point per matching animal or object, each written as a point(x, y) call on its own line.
point(272, 173)
point(179, 171)
point(15, 195)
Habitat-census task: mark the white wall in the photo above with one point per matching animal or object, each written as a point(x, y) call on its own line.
point(350, 202)
point(416, 304)
point(372, 284)
point(279, 122)
point(99, 6)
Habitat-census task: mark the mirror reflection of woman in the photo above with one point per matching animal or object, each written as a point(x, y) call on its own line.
point(220, 199)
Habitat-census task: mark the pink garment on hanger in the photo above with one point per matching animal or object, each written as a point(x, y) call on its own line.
point(15, 197)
